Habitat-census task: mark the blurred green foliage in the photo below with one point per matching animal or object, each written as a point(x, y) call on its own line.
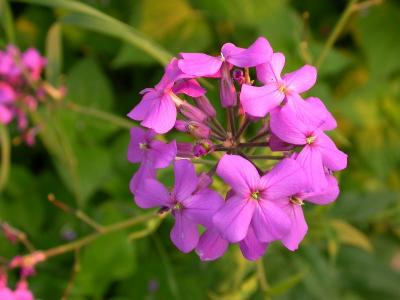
point(352, 250)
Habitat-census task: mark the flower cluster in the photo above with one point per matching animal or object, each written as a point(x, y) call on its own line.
point(21, 292)
point(20, 87)
point(265, 191)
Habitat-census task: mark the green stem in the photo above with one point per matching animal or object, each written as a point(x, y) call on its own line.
point(5, 156)
point(101, 115)
point(336, 32)
point(90, 238)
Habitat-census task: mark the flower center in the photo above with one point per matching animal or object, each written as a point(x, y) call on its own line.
point(296, 201)
point(143, 146)
point(310, 139)
point(282, 88)
point(178, 206)
point(255, 195)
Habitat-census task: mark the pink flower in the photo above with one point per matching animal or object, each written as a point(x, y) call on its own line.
point(258, 101)
point(254, 200)
point(22, 292)
point(292, 205)
point(33, 62)
point(143, 147)
point(319, 151)
point(157, 109)
point(7, 96)
point(199, 64)
point(5, 292)
point(189, 204)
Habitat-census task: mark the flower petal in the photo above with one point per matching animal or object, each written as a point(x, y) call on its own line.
point(145, 106)
point(251, 247)
point(152, 193)
point(258, 53)
point(211, 245)
point(332, 157)
point(271, 72)
point(162, 154)
point(234, 217)
point(317, 108)
point(145, 171)
point(302, 79)
point(201, 207)
point(311, 161)
point(287, 178)
point(325, 196)
point(258, 101)
point(138, 136)
point(185, 179)
point(184, 234)
point(6, 115)
point(162, 116)
point(199, 64)
point(239, 173)
point(298, 228)
point(270, 222)
point(285, 125)
point(189, 87)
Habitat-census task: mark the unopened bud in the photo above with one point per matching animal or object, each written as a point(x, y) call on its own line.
point(185, 150)
point(203, 147)
point(205, 105)
point(238, 76)
point(192, 113)
point(227, 90)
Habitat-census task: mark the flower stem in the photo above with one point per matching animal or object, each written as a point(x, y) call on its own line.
point(76, 212)
point(336, 32)
point(252, 145)
point(101, 115)
point(272, 157)
point(231, 121)
point(90, 238)
point(242, 128)
point(5, 156)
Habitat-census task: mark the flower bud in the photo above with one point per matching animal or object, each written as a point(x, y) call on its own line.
point(181, 126)
point(198, 130)
point(192, 113)
point(185, 150)
point(204, 181)
point(227, 90)
point(238, 76)
point(205, 105)
point(203, 147)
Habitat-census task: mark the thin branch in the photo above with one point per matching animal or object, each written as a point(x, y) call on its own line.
point(101, 115)
point(337, 30)
point(76, 212)
point(5, 156)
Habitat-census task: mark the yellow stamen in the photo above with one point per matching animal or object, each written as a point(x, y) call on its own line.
point(297, 201)
point(255, 195)
point(310, 139)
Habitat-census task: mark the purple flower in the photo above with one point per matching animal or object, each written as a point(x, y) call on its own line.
point(143, 147)
point(157, 109)
point(319, 151)
point(258, 101)
point(254, 200)
point(33, 62)
point(7, 97)
point(292, 205)
point(199, 64)
point(190, 205)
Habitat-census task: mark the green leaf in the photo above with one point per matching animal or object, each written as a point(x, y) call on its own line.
point(87, 85)
point(374, 32)
point(350, 235)
point(108, 259)
point(90, 18)
point(183, 31)
point(6, 20)
point(54, 54)
point(5, 149)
